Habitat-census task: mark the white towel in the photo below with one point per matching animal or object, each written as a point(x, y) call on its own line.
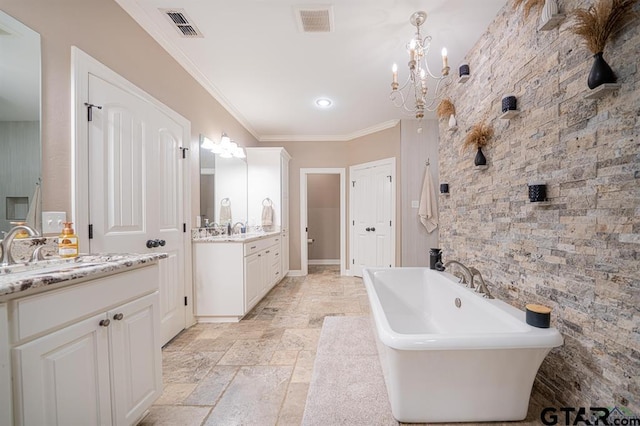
point(34, 216)
point(428, 210)
point(225, 211)
point(267, 215)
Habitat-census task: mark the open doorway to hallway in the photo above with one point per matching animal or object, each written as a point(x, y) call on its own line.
point(323, 218)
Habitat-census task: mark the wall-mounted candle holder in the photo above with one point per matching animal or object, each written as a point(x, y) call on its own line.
point(509, 103)
point(464, 73)
point(509, 107)
point(537, 192)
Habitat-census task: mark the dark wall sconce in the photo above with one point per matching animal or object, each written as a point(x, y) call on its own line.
point(537, 192)
point(444, 188)
point(509, 107)
point(463, 72)
point(509, 103)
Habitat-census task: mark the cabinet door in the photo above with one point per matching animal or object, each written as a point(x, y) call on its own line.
point(136, 357)
point(63, 378)
point(253, 280)
point(267, 269)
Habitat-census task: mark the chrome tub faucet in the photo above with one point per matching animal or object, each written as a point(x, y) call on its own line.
point(466, 278)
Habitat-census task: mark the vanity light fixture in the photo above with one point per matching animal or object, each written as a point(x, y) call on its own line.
point(226, 148)
point(324, 102)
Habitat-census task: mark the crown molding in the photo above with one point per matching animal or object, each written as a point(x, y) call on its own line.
point(330, 138)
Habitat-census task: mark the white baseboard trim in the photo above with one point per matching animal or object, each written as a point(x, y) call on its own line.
point(324, 261)
point(295, 273)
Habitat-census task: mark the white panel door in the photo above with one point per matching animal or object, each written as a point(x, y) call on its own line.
point(381, 204)
point(364, 252)
point(64, 377)
point(372, 207)
point(135, 181)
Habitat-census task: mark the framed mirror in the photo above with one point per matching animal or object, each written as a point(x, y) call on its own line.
point(223, 189)
point(20, 145)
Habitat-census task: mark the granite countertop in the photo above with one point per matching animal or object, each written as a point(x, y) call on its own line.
point(21, 277)
point(234, 238)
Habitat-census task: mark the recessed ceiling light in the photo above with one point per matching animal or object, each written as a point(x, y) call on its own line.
point(323, 102)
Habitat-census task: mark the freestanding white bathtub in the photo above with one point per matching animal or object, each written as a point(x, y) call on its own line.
point(443, 363)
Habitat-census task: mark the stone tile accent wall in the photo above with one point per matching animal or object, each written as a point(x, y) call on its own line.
point(579, 254)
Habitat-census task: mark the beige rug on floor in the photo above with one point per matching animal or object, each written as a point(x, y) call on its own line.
point(347, 387)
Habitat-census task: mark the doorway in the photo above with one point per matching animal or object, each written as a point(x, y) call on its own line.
point(322, 217)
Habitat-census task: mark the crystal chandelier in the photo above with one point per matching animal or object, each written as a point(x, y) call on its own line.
point(412, 95)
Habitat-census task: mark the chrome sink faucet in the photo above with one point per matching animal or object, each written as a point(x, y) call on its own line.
point(482, 287)
point(5, 243)
point(467, 277)
point(234, 227)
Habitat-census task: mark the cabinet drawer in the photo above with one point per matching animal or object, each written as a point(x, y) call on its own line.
point(47, 311)
point(259, 245)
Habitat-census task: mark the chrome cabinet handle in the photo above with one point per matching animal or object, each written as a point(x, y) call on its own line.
point(104, 323)
point(118, 316)
point(373, 229)
point(161, 242)
point(367, 229)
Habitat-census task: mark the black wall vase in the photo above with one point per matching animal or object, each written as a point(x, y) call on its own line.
point(600, 72)
point(480, 159)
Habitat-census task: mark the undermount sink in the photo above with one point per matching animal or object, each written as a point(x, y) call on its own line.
point(45, 266)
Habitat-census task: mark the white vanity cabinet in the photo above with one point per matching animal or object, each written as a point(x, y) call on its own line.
point(88, 353)
point(231, 277)
point(268, 178)
point(262, 271)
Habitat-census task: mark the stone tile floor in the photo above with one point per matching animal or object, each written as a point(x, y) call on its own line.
point(256, 371)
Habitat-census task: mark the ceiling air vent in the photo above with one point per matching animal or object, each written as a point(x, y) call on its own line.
point(314, 19)
point(182, 23)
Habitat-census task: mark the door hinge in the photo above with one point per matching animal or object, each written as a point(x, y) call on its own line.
point(184, 152)
point(306, 229)
point(389, 223)
point(185, 299)
point(90, 231)
point(184, 227)
point(389, 176)
point(90, 110)
point(353, 223)
point(353, 183)
point(353, 261)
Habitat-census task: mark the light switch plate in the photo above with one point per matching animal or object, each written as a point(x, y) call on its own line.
point(415, 204)
point(53, 222)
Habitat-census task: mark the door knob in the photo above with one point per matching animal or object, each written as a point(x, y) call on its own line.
point(367, 229)
point(162, 243)
point(373, 229)
point(105, 323)
point(152, 243)
point(118, 316)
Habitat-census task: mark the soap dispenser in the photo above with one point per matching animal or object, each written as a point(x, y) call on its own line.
point(68, 241)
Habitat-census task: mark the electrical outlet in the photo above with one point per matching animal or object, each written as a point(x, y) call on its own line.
point(53, 222)
point(415, 204)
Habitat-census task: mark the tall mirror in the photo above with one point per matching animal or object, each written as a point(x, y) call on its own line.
point(223, 188)
point(20, 150)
